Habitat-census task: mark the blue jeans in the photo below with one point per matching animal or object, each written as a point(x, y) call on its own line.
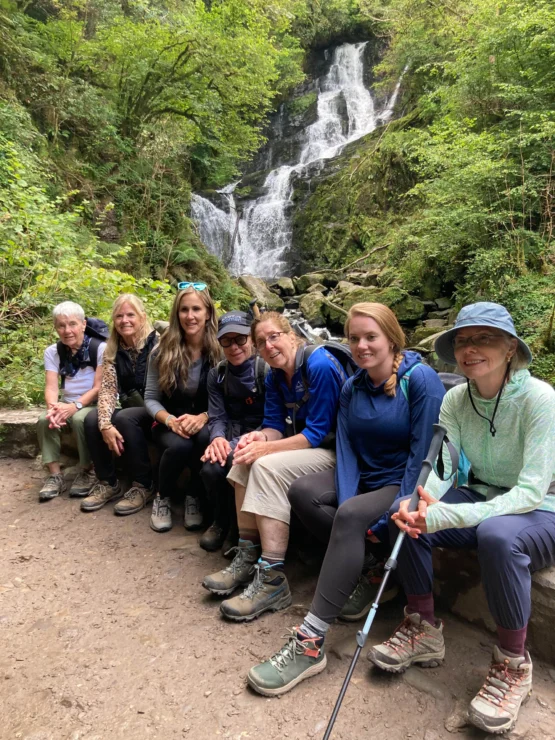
point(510, 548)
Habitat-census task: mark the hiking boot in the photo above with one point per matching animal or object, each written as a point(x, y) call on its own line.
point(135, 499)
point(269, 592)
point(508, 684)
point(300, 658)
point(53, 486)
point(360, 601)
point(212, 539)
point(414, 641)
point(238, 572)
point(193, 514)
point(82, 484)
point(161, 517)
point(100, 494)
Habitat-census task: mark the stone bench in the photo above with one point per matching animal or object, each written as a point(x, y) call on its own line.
point(18, 434)
point(457, 587)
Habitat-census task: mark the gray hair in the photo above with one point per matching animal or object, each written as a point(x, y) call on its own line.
point(68, 308)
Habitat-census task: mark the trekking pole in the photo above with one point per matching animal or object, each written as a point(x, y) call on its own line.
point(362, 635)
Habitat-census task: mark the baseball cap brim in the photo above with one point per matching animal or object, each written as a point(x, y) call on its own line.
point(233, 329)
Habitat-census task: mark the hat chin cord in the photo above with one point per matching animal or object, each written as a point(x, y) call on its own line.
point(492, 428)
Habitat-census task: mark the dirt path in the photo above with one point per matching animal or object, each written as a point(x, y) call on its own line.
point(107, 634)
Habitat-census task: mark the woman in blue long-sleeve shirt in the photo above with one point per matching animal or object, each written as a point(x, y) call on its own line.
point(384, 429)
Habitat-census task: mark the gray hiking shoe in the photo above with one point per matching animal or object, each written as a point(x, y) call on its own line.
point(161, 517)
point(82, 484)
point(193, 514)
point(101, 493)
point(508, 685)
point(414, 641)
point(53, 486)
point(238, 572)
point(360, 601)
point(269, 592)
point(135, 499)
point(301, 657)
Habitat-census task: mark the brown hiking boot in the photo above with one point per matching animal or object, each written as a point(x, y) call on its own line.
point(269, 592)
point(238, 572)
point(508, 685)
point(83, 483)
point(101, 493)
point(135, 499)
point(414, 641)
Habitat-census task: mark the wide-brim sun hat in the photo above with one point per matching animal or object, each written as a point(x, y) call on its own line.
point(478, 314)
point(234, 322)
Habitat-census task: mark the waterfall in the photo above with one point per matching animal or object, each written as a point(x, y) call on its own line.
point(260, 241)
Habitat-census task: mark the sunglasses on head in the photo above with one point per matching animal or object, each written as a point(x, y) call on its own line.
point(196, 286)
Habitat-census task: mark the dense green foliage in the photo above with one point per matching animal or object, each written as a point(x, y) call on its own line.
point(462, 188)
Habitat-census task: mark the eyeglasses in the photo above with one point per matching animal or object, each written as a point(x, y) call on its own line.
point(477, 340)
point(240, 340)
point(272, 338)
point(196, 286)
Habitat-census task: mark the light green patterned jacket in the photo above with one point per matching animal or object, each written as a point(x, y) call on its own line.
point(520, 458)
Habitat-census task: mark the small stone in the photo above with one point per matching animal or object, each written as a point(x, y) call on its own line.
point(207, 693)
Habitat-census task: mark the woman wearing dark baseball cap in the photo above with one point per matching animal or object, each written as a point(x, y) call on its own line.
point(235, 407)
point(504, 421)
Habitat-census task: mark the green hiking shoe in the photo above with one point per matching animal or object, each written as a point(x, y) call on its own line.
point(238, 572)
point(360, 601)
point(268, 592)
point(301, 657)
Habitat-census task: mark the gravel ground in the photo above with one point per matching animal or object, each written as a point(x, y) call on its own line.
point(106, 633)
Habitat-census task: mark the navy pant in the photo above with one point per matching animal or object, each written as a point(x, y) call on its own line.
point(510, 548)
point(220, 493)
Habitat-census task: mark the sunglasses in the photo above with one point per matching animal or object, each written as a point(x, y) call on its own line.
point(239, 340)
point(196, 286)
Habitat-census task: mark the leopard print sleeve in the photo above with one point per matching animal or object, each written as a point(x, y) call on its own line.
point(108, 396)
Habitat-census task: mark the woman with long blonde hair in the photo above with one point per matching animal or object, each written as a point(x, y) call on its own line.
point(176, 396)
point(384, 428)
point(122, 431)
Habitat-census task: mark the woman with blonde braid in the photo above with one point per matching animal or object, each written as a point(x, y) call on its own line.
point(384, 428)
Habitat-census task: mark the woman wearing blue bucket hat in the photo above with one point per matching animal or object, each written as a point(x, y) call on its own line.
point(504, 421)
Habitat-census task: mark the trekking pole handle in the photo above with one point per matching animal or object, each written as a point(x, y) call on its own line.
point(440, 433)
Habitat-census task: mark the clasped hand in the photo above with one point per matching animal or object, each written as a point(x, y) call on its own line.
point(217, 451)
point(59, 413)
point(250, 447)
point(188, 424)
point(414, 522)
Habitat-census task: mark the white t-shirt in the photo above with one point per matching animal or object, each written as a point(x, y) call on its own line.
point(81, 382)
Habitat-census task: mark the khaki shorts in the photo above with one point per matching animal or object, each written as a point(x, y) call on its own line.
point(268, 479)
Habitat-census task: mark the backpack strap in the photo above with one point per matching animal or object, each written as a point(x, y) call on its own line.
point(222, 367)
point(94, 344)
point(404, 382)
point(261, 369)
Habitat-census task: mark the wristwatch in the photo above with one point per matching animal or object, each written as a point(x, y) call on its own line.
point(78, 404)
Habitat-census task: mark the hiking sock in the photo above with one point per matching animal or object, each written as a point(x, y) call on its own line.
point(313, 626)
point(274, 559)
point(422, 604)
point(512, 641)
point(250, 535)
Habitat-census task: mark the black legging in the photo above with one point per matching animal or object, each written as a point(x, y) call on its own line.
point(176, 454)
point(134, 424)
point(313, 498)
point(220, 493)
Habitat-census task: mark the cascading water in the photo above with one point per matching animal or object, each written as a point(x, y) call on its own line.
point(259, 240)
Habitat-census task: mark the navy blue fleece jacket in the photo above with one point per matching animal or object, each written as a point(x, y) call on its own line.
point(325, 378)
point(382, 440)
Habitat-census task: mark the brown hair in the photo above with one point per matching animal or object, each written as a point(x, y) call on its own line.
point(114, 338)
point(277, 318)
point(387, 321)
point(174, 356)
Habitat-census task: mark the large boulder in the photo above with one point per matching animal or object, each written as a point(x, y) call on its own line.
point(366, 278)
point(423, 332)
point(406, 307)
point(311, 306)
point(335, 316)
point(259, 290)
point(284, 286)
point(303, 283)
point(317, 288)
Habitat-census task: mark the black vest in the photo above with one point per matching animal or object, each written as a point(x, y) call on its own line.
point(130, 379)
point(179, 402)
point(244, 404)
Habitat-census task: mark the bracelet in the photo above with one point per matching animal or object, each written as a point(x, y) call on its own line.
point(168, 419)
point(207, 417)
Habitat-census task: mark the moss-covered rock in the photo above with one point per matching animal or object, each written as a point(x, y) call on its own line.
point(334, 315)
point(303, 283)
point(317, 288)
point(421, 333)
point(284, 286)
point(406, 307)
point(311, 306)
point(259, 290)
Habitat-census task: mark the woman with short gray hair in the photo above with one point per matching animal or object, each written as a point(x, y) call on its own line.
point(74, 366)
